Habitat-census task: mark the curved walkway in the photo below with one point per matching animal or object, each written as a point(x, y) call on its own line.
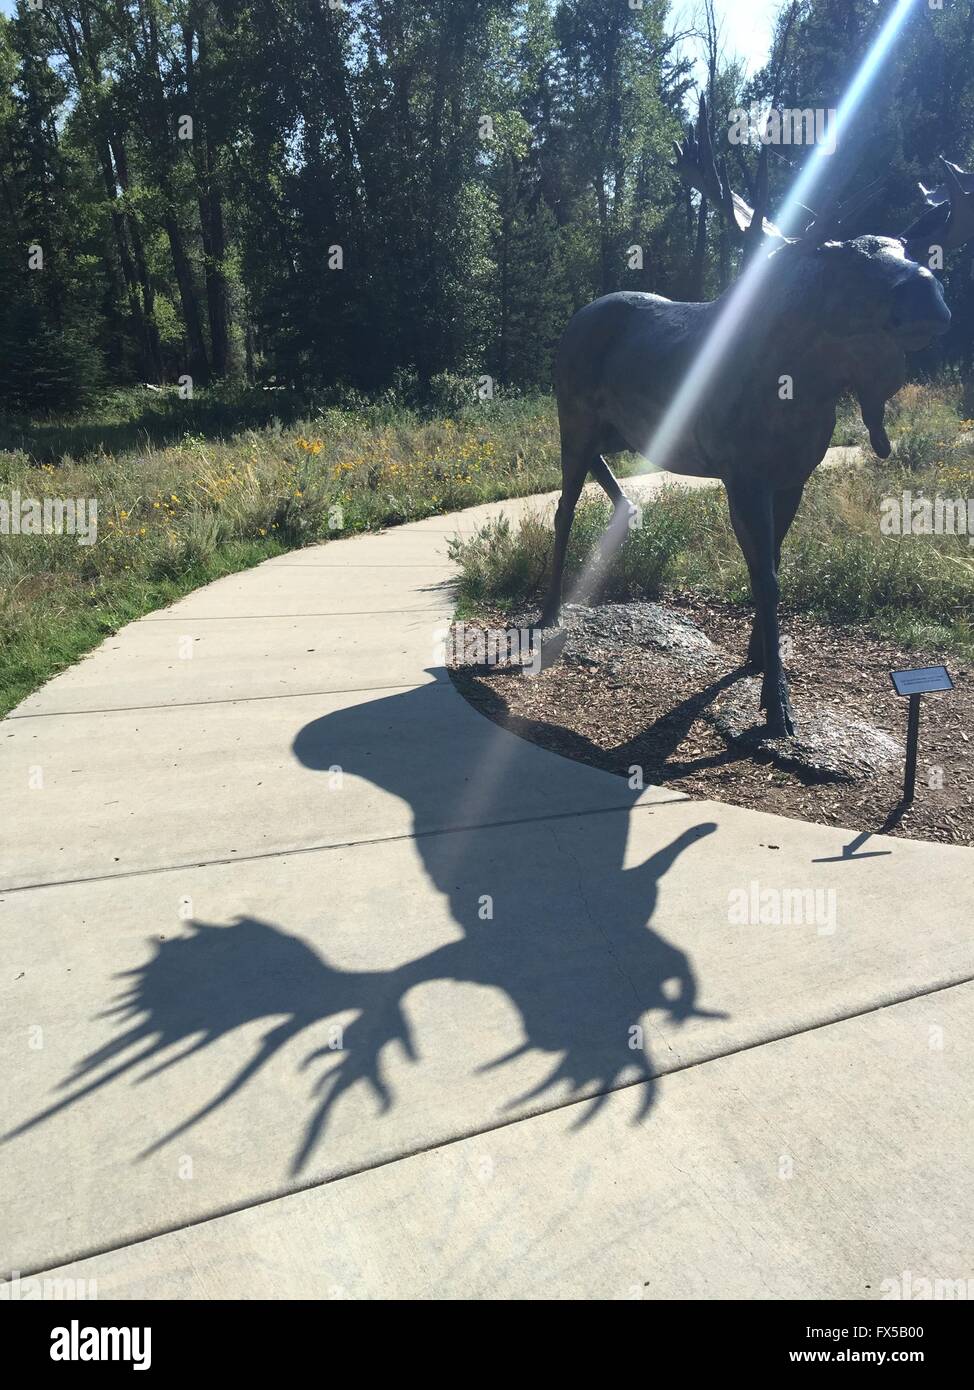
point(316, 983)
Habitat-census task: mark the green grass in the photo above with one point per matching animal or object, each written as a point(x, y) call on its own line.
point(56, 632)
point(504, 568)
point(174, 513)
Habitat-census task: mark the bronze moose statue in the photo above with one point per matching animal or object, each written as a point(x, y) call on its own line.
point(832, 316)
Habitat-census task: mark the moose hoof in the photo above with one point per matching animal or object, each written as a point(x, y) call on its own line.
point(781, 724)
point(776, 702)
point(780, 716)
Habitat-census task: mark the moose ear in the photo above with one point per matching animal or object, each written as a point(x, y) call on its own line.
point(947, 220)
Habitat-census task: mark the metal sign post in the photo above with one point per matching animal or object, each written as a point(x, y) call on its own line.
point(912, 746)
point(914, 684)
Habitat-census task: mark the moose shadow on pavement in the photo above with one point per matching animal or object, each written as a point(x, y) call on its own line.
point(568, 938)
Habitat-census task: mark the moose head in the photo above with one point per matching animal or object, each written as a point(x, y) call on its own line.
point(859, 307)
point(827, 314)
point(862, 302)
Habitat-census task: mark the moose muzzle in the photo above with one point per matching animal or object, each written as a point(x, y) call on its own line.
point(919, 314)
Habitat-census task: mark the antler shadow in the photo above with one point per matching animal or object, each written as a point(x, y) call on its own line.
point(197, 988)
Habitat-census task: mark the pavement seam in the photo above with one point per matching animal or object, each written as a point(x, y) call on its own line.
point(340, 844)
point(261, 617)
point(475, 1132)
point(444, 565)
point(230, 700)
point(405, 565)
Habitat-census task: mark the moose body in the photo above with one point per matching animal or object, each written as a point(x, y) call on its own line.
point(832, 317)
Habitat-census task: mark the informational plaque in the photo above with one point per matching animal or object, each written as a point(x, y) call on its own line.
point(922, 681)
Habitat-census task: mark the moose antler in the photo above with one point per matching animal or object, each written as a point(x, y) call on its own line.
point(948, 219)
point(698, 167)
point(835, 218)
point(695, 162)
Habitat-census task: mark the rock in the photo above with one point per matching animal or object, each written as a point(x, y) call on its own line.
point(597, 635)
point(830, 746)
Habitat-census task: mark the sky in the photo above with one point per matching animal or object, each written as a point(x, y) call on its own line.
point(746, 27)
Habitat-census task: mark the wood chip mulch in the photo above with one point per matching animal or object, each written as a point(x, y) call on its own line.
point(649, 710)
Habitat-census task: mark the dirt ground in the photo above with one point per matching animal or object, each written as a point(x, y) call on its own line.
point(629, 702)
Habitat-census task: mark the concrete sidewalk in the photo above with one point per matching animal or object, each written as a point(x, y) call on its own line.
point(316, 982)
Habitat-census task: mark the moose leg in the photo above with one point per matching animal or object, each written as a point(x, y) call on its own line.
point(753, 518)
point(786, 504)
point(574, 466)
point(609, 484)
